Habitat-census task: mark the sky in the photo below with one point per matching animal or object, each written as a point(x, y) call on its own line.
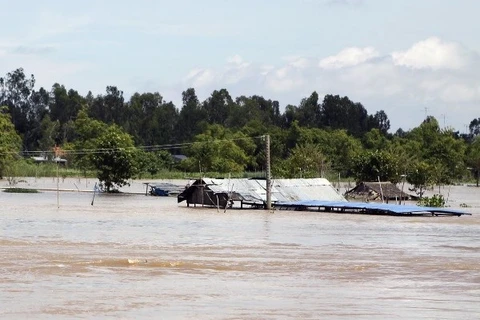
point(409, 58)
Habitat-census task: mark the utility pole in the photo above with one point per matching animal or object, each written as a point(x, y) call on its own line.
point(268, 174)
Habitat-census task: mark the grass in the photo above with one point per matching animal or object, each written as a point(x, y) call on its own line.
point(30, 169)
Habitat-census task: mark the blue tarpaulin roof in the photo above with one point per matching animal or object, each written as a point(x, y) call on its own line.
point(372, 207)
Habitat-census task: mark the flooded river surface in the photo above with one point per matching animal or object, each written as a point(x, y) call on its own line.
point(142, 257)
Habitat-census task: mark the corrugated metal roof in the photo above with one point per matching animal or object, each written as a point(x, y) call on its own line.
point(254, 190)
point(305, 189)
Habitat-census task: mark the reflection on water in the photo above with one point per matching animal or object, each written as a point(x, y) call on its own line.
point(132, 256)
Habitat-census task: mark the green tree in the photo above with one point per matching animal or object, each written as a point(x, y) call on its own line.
point(308, 112)
point(375, 140)
point(109, 108)
point(218, 107)
point(153, 162)
point(190, 116)
point(10, 141)
point(420, 177)
point(380, 121)
point(152, 121)
point(216, 150)
point(16, 91)
point(342, 113)
point(374, 165)
point(338, 147)
point(49, 131)
point(440, 149)
point(473, 158)
point(86, 130)
point(307, 161)
point(474, 127)
point(114, 158)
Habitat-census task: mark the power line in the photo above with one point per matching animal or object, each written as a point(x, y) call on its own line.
point(150, 148)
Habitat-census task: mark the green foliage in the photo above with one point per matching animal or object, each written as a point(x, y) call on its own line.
point(87, 130)
point(334, 131)
point(306, 161)
point(436, 200)
point(114, 159)
point(10, 142)
point(49, 131)
point(420, 177)
point(374, 165)
point(473, 158)
point(215, 150)
point(375, 140)
point(27, 168)
point(440, 149)
point(20, 190)
point(152, 163)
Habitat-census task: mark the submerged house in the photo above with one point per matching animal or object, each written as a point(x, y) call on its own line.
point(299, 195)
point(378, 191)
point(252, 192)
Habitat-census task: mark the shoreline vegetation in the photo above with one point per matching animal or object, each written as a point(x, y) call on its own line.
point(24, 169)
point(20, 190)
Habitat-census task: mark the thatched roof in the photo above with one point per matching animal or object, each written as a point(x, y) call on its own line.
point(375, 190)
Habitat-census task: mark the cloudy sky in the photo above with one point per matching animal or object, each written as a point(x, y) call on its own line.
point(410, 58)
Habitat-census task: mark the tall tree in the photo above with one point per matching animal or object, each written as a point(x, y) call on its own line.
point(152, 121)
point(50, 131)
point(380, 121)
point(308, 112)
point(474, 127)
point(87, 130)
point(374, 165)
point(342, 113)
point(114, 159)
point(15, 92)
point(440, 149)
point(109, 108)
point(10, 141)
point(216, 150)
point(473, 158)
point(307, 161)
point(191, 115)
point(218, 107)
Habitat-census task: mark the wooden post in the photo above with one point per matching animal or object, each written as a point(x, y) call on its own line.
point(268, 173)
point(381, 190)
point(58, 189)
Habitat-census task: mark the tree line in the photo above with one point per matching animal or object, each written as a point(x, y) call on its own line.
point(223, 134)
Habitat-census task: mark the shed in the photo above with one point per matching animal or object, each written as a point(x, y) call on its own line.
point(252, 192)
point(371, 191)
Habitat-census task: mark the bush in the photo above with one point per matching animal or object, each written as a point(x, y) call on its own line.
point(20, 190)
point(436, 200)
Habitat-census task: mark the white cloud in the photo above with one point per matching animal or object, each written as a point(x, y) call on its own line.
point(402, 84)
point(200, 77)
point(235, 59)
point(283, 79)
point(432, 53)
point(460, 93)
point(349, 57)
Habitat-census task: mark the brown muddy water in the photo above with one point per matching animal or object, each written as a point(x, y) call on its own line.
point(132, 256)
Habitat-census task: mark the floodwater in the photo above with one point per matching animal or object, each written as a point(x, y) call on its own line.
point(143, 257)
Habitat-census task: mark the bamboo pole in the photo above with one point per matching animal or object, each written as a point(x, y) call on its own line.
point(268, 173)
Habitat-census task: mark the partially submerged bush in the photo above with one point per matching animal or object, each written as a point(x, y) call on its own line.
point(436, 200)
point(20, 190)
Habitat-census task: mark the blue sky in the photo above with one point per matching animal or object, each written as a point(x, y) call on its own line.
point(406, 57)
